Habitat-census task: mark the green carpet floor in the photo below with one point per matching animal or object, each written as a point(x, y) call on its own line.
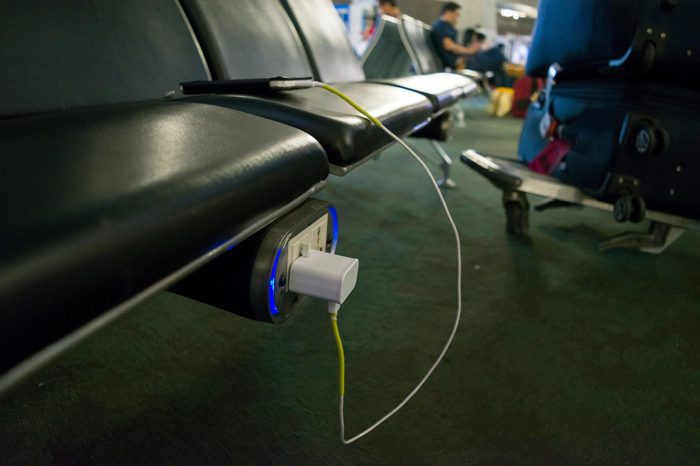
point(564, 355)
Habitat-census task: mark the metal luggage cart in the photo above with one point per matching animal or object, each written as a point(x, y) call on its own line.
point(517, 181)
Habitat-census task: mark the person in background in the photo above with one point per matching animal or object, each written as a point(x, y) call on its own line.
point(491, 60)
point(480, 40)
point(471, 35)
point(369, 21)
point(389, 8)
point(444, 36)
point(369, 27)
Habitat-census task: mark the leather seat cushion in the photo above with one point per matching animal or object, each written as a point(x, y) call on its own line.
point(442, 89)
point(101, 203)
point(346, 136)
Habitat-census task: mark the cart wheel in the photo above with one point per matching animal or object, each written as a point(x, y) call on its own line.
point(517, 218)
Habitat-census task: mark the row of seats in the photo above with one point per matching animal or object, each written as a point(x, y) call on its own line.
point(388, 54)
point(404, 46)
point(401, 48)
point(114, 184)
point(402, 51)
point(251, 39)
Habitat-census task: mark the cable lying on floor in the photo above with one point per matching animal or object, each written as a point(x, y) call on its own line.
point(333, 307)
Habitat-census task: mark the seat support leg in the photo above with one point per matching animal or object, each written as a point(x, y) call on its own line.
point(656, 241)
point(517, 210)
point(459, 116)
point(445, 164)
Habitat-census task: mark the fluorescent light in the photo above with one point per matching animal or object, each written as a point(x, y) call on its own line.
point(514, 14)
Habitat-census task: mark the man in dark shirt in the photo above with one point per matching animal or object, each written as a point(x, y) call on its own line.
point(445, 38)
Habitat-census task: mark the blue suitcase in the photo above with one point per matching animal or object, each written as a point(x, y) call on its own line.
point(631, 143)
point(651, 38)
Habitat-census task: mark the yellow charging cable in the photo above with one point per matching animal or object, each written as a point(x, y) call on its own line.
point(334, 313)
point(341, 354)
point(350, 102)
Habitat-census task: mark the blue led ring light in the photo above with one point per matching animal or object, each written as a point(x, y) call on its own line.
point(334, 221)
point(271, 286)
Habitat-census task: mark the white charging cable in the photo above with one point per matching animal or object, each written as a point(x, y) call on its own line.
point(334, 309)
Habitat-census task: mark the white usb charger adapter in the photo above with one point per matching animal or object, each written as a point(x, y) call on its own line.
point(325, 276)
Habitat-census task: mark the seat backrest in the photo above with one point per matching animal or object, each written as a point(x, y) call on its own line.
point(417, 34)
point(66, 54)
point(387, 55)
point(428, 34)
point(326, 40)
point(246, 39)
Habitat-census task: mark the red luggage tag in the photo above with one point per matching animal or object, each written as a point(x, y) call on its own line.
point(550, 157)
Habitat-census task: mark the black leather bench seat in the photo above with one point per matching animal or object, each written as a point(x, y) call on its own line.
point(333, 60)
point(418, 37)
point(347, 137)
point(442, 89)
point(100, 204)
point(226, 29)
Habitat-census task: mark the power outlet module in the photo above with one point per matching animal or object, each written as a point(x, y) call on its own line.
point(311, 224)
point(315, 236)
point(252, 279)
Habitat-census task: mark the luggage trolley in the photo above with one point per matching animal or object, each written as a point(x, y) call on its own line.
point(630, 70)
point(517, 181)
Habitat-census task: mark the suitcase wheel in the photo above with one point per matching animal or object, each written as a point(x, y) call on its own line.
point(650, 140)
point(629, 208)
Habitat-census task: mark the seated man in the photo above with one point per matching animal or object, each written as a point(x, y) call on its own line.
point(444, 36)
